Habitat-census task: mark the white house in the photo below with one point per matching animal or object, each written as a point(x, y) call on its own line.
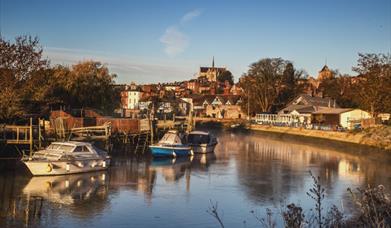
point(344, 117)
point(133, 99)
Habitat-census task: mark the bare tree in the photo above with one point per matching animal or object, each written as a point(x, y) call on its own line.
point(270, 82)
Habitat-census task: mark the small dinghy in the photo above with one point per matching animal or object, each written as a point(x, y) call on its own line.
point(201, 142)
point(170, 145)
point(67, 158)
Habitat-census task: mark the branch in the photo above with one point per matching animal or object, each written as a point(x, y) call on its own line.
point(212, 210)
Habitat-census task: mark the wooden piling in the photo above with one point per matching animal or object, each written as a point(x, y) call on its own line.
point(31, 138)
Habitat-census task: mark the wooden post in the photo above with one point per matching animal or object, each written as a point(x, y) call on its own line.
point(39, 133)
point(31, 137)
point(151, 126)
point(17, 134)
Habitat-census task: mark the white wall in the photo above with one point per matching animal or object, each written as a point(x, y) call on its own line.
point(355, 114)
point(133, 99)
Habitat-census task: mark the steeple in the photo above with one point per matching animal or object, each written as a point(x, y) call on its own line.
point(213, 62)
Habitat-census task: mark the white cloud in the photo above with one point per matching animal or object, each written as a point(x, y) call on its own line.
point(128, 68)
point(190, 15)
point(175, 41)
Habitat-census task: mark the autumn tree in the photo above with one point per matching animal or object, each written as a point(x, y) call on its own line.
point(226, 76)
point(373, 84)
point(91, 85)
point(18, 61)
point(290, 86)
point(270, 83)
point(22, 57)
point(340, 88)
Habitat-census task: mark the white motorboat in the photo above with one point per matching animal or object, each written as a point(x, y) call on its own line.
point(67, 158)
point(201, 142)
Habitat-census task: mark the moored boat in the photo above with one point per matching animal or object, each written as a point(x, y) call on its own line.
point(170, 145)
point(201, 142)
point(67, 158)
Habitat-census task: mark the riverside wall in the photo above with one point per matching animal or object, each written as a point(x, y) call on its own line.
point(379, 137)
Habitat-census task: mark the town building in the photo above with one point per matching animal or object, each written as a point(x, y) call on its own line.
point(130, 96)
point(211, 73)
point(307, 104)
point(343, 117)
point(217, 106)
point(223, 106)
point(312, 84)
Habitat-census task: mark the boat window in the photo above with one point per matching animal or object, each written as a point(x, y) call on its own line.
point(198, 139)
point(80, 149)
point(66, 148)
point(53, 146)
point(171, 139)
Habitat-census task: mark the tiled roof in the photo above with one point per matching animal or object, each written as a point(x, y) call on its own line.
point(323, 110)
point(205, 69)
point(313, 101)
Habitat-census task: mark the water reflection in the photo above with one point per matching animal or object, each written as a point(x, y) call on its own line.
point(68, 189)
point(245, 172)
point(270, 169)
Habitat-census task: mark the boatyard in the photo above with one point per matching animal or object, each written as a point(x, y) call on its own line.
point(195, 114)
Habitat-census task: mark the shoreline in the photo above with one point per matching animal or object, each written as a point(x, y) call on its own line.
point(369, 139)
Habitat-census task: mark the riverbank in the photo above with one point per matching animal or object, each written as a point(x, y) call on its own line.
point(379, 137)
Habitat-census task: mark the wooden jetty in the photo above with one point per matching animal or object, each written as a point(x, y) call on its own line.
point(30, 137)
point(129, 135)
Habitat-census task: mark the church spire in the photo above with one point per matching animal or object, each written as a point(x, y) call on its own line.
point(213, 62)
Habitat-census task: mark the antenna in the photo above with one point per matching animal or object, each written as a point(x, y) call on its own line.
point(1, 4)
point(325, 61)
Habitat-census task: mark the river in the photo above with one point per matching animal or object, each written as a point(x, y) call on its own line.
point(248, 172)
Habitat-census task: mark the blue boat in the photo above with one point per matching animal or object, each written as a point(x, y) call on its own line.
point(170, 145)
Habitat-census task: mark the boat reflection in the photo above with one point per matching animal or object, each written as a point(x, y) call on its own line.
point(66, 189)
point(172, 169)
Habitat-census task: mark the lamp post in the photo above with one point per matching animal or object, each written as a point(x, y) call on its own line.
point(248, 105)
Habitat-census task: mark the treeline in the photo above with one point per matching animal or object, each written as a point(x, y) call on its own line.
point(28, 84)
point(271, 83)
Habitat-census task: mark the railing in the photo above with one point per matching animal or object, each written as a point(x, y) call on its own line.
point(22, 135)
point(95, 132)
point(297, 121)
point(13, 134)
point(277, 118)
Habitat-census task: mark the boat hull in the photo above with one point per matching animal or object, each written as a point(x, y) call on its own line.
point(203, 148)
point(167, 151)
point(52, 168)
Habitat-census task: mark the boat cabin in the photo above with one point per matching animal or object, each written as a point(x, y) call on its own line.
point(200, 137)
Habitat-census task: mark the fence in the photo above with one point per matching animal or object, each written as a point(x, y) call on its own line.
point(289, 120)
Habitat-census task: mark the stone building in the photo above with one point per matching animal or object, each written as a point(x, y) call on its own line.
point(222, 106)
point(211, 73)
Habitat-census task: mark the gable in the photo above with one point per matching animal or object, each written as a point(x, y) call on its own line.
point(216, 101)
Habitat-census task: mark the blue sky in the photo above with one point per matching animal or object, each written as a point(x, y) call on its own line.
point(159, 41)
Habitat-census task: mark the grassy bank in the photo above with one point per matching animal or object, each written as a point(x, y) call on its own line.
point(379, 137)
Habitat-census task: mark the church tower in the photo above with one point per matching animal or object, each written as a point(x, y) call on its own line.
point(325, 73)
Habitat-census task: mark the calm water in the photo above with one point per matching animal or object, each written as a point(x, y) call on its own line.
point(247, 172)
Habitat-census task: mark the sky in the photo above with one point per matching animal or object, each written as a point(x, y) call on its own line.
point(162, 41)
